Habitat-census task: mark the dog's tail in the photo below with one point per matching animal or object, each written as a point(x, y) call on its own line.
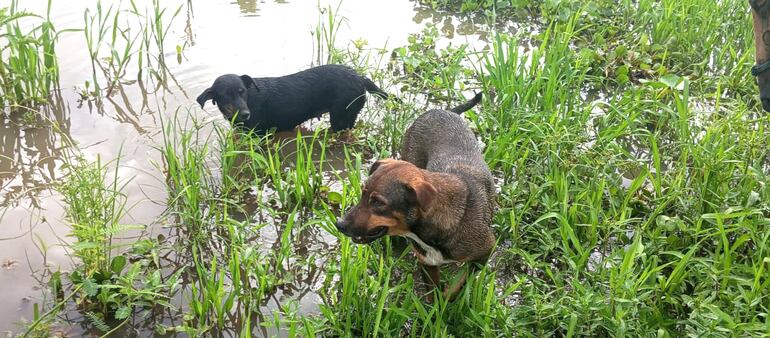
point(372, 88)
point(467, 105)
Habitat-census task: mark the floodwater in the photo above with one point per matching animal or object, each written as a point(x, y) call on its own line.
point(259, 38)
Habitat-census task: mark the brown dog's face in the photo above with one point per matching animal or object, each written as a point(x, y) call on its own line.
point(393, 199)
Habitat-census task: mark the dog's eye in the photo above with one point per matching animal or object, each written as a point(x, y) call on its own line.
point(241, 90)
point(376, 202)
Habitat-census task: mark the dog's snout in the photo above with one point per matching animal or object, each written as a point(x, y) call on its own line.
point(241, 114)
point(244, 115)
point(342, 226)
point(234, 112)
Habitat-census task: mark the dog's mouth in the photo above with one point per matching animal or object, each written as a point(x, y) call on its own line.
point(371, 236)
point(242, 116)
point(236, 115)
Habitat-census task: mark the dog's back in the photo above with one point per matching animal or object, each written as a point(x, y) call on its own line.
point(442, 135)
point(441, 141)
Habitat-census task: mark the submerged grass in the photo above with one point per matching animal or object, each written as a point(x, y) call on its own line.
point(105, 287)
point(633, 191)
point(126, 38)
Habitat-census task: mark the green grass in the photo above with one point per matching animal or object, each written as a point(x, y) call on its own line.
point(109, 290)
point(630, 153)
point(28, 71)
point(325, 34)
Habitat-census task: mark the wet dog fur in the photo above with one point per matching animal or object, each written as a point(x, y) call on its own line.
point(260, 104)
point(441, 196)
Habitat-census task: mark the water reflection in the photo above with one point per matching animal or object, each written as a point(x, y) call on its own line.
point(251, 7)
point(449, 25)
point(29, 153)
point(475, 23)
point(247, 6)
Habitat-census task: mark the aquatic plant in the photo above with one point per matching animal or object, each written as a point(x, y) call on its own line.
point(134, 40)
point(28, 70)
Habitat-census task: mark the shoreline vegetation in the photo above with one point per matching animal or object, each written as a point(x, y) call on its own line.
point(626, 139)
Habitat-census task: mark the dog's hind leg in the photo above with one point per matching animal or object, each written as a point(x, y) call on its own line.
point(338, 122)
point(344, 117)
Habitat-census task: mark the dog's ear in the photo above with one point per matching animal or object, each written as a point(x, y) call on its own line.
point(248, 81)
point(379, 163)
point(424, 193)
point(205, 96)
point(374, 167)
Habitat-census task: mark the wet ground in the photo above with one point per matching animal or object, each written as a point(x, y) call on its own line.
point(260, 38)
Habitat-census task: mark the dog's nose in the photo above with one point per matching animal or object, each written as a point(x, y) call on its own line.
point(766, 103)
point(340, 226)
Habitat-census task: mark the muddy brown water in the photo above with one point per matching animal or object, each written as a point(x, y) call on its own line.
point(260, 38)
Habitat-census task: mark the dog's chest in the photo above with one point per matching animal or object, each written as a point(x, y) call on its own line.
point(430, 255)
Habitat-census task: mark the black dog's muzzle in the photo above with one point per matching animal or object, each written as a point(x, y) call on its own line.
point(238, 115)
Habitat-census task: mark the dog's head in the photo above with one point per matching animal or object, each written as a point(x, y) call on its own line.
point(394, 198)
point(230, 93)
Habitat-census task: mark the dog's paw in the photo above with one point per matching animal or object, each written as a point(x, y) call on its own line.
point(346, 136)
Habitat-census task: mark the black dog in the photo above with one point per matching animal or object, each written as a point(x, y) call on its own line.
point(285, 102)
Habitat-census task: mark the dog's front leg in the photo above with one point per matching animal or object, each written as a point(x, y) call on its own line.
point(430, 276)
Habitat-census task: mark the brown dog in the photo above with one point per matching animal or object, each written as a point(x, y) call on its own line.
point(441, 196)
